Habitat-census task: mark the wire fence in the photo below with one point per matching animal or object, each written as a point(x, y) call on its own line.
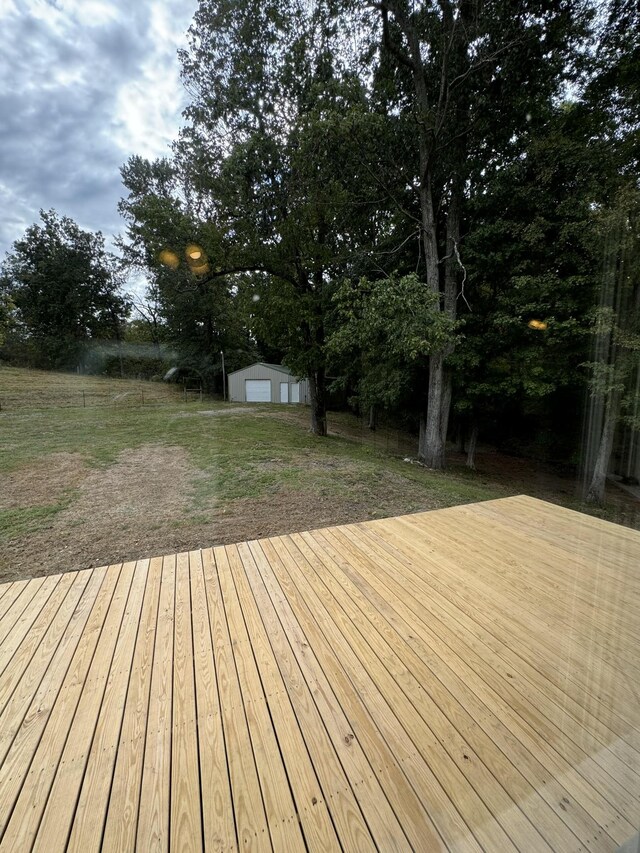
point(386, 436)
point(16, 401)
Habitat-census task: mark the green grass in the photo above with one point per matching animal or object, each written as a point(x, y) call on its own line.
point(233, 457)
point(24, 521)
point(259, 453)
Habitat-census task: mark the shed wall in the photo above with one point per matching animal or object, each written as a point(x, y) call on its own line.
point(236, 381)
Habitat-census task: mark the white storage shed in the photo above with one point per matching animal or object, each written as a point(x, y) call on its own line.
point(267, 383)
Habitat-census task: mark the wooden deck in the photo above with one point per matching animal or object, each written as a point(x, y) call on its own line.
point(466, 679)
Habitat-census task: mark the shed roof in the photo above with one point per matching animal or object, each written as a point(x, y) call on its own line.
point(279, 367)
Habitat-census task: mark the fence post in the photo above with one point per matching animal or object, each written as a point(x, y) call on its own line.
point(84, 402)
point(142, 392)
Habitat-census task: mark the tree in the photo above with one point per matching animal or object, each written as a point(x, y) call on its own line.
point(531, 255)
point(6, 312)
point(269, 152)
point(65, 288)
point(189, 304)
point(467, 74)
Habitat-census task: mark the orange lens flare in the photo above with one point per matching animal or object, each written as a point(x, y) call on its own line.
point(169, 259)
point(537, 324)
point(194, 252)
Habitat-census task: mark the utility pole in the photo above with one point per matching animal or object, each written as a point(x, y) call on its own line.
point(224, 380)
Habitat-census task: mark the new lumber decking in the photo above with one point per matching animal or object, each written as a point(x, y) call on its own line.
point(466, 679)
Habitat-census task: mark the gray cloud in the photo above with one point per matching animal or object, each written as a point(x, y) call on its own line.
point(83, 85)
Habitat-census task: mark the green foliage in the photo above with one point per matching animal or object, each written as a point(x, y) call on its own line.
point(384, 329)
point(190, 306)
point(532, 261)
point(64, 286)
point(7, 309)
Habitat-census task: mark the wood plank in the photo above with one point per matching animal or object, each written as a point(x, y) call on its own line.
point(249, 811)
point(420, 739)
point(26, 713)
point(367, 725)
point(154, 809)
point(305, 692)
point(90, 813)
point(310, 802)
point(112, 657)
point(22, 601)
point(612, 546)
point(574, 667)
point(186, 823)
point(122, 815)
point(32, 761)
point(69, 726)
point(461, 680)
point(555, 701)
point(22, 685)
point(280, 810)
point(217, 806)
point(12, 595)
point(10, 637)
point(602, 618)
point(554, 569)
point(522, 721)
point(431, 713)
point(560, 662)
point(433, 664)
point(16, 653)
point(564, 563)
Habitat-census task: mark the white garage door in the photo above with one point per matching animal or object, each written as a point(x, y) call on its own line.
point(295, 393)
point(258, 390)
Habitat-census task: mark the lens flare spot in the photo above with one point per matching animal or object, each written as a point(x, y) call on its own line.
point(255, 297)
point(200, 269)
point(537, 324)
point(193, 252)
point(169, 259)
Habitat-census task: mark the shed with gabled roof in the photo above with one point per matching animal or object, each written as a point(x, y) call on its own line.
point(267, 383)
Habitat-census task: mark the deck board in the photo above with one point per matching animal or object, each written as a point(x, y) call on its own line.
point(464, 680)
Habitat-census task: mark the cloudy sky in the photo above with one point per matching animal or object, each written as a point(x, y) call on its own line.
point(83, 85)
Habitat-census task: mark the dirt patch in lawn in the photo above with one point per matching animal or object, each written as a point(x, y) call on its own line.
point(42, 482)
point(141, 507)
point(115, 516)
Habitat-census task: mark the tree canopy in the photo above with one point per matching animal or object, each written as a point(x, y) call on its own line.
point(63, 291)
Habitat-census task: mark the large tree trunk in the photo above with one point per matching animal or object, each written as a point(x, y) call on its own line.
point(445, 406)
point(595, 492)
point(433, 451)
point(317, 392)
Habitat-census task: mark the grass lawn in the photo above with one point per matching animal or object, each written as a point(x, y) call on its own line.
point(116, 480)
